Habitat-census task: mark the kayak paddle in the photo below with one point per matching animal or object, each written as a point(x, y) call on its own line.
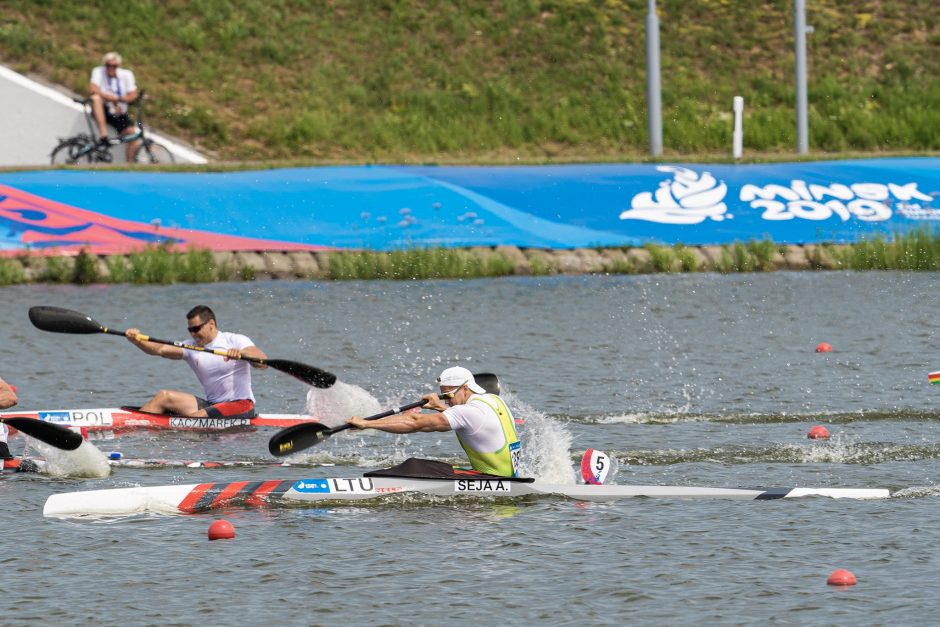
point(48, 432)
point(303, 436)
point(59, 320)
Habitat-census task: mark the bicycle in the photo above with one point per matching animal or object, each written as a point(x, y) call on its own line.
point(87, 148)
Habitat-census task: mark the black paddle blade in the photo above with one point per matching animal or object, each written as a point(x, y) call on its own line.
point(59, 320)
point(308, 374)
point(48, 432)
point(488, 381)
point(297, 438)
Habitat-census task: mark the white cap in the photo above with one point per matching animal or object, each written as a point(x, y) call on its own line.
point(457, 376)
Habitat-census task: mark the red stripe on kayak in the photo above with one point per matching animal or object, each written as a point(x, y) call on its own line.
point(189, 504)
point(259, 497)
point(227, 494)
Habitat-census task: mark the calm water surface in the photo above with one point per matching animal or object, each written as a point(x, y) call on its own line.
point(692, 380)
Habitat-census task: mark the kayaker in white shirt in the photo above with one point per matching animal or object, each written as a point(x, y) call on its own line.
point(226, 380)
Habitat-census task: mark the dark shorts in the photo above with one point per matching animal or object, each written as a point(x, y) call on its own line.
point(228, 409)
point(119, 122)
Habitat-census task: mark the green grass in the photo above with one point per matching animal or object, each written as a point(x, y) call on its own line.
point(420, 263)
point(160, 265)
point(11, 272)
point(916, 250)
point(482, 81)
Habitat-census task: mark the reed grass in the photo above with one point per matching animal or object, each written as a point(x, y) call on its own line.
point(11, 272)
point(662, 258)
point(419, 263)
point(916, 250)
point(687, 261)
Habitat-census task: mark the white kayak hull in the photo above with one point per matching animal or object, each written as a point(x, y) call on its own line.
point(194, 498)
point(126, 419)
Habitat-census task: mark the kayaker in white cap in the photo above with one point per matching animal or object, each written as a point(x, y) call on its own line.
point(482, 422)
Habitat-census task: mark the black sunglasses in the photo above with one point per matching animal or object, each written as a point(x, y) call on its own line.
point(195, 329)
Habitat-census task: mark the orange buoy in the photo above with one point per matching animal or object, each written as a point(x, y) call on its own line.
point(221, 530)
point(841, 577)
point(818, 432)
point(824, 347)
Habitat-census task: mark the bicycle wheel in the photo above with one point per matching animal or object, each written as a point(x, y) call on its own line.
point(71, 151)
point(152, 152)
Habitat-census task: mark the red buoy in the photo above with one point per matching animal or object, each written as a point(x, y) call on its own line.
point(221, 530)
point(841, 577)
point(818, 432)
point(824, 347)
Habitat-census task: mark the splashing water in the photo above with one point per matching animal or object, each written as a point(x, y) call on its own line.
point(545, 445)
point(334, 405)
point(85, 461)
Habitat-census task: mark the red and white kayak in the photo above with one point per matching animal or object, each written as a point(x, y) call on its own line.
point(129, 418)
point(203, 497)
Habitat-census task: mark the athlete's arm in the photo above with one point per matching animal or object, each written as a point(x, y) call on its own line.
point(256, 353)
point(152, 348)
point(7, 395)
point(404, 423)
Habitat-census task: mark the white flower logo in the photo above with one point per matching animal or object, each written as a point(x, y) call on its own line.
point(686, 199)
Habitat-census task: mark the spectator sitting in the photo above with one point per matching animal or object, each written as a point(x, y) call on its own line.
point(112, 88)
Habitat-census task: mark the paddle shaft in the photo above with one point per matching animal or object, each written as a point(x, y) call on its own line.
point(303, 436)
point(189, 347)
point(384, 414)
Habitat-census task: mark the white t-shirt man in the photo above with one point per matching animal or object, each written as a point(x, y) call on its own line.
point(120, 85)
point(223, 381)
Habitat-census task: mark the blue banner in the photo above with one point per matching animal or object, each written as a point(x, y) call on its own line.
point(561, 206)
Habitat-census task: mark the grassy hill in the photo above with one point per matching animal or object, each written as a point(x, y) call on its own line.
point(495, 80)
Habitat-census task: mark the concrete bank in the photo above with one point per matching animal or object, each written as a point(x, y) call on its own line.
point(536, 261)
point(761, 256)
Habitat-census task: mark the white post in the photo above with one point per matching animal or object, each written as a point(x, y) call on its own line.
point(737, 136)
point(654, 102)
point(800, 29)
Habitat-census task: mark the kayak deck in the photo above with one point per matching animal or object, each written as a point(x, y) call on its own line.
point(195, 498)
point(124, 418)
